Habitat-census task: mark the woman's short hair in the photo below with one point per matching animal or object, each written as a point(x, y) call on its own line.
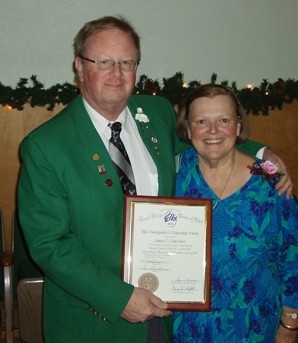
point(211, 90)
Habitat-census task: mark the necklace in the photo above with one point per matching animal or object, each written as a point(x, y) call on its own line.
point(225, 186)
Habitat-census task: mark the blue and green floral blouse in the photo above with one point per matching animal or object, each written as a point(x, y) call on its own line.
point(254, 261)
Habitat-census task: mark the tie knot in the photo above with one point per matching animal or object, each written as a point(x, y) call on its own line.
point(116, 127)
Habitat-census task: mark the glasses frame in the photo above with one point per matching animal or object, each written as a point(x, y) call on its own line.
point(134, 63)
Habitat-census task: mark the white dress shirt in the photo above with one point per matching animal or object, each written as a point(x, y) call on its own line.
point(143, 166)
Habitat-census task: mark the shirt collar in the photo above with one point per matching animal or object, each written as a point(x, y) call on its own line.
point(100, 122)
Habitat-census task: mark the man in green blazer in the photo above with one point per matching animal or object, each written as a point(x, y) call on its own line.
point(70, 198)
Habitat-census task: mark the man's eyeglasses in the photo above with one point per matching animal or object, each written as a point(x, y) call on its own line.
point(107, 64)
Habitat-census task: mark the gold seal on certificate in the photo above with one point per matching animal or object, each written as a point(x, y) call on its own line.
point(148, 281)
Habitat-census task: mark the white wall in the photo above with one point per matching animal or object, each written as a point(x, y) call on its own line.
point(240, 40)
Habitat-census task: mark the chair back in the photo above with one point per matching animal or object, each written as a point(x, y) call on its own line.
point(6, 287)
point(28, 287)
point(30, 309)
point(2, 313)
point(24, 266)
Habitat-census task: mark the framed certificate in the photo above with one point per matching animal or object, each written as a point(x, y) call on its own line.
point(167, 249)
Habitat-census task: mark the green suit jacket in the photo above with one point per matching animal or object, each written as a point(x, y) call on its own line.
point(72, 218)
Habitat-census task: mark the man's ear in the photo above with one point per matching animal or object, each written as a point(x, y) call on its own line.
point(79, 68)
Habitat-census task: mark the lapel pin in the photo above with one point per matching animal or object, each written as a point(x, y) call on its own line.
point(95, 157)
point(154, 139)
point(156, 149)
point(109, 182)
point(101, 169)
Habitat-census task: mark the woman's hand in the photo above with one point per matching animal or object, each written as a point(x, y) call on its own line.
point(286, 336)
point(285, 183)
point(287, 331)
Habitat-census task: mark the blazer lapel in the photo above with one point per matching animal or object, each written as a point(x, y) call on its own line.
point(94, 154)
point(158, 136)
point(148, 133)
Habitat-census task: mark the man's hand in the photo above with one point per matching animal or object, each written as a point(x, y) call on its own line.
point(285, 184)
point(144, 305)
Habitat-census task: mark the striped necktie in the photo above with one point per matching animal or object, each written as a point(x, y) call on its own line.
point(121, 160)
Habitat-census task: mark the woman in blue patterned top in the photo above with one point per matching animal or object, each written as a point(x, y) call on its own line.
point(255, 233)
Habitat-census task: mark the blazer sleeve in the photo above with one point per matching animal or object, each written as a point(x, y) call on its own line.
point(250, 147)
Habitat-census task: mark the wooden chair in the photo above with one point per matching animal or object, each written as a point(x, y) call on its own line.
point(7, 286)
point(28, 288)
point(29, 295)
point(23, 286)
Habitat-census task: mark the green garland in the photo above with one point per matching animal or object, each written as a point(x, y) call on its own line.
point(257, 100)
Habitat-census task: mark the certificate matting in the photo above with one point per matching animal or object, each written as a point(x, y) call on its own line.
point(167, 249)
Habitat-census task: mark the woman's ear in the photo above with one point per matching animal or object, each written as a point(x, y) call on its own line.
point(188, 132)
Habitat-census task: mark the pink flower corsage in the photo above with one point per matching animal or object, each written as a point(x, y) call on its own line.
point(268, 170)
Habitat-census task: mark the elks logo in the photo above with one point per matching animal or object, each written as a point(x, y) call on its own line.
point(170, 218)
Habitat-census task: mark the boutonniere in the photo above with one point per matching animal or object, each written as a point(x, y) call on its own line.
point(141, 117)
point(268, 170)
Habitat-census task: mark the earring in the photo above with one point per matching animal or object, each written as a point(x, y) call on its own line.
point(238, 130)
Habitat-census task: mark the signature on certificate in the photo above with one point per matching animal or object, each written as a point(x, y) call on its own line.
point(154, 265)
point(184, 285)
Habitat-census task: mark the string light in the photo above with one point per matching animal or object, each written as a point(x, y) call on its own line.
point(8, 108)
